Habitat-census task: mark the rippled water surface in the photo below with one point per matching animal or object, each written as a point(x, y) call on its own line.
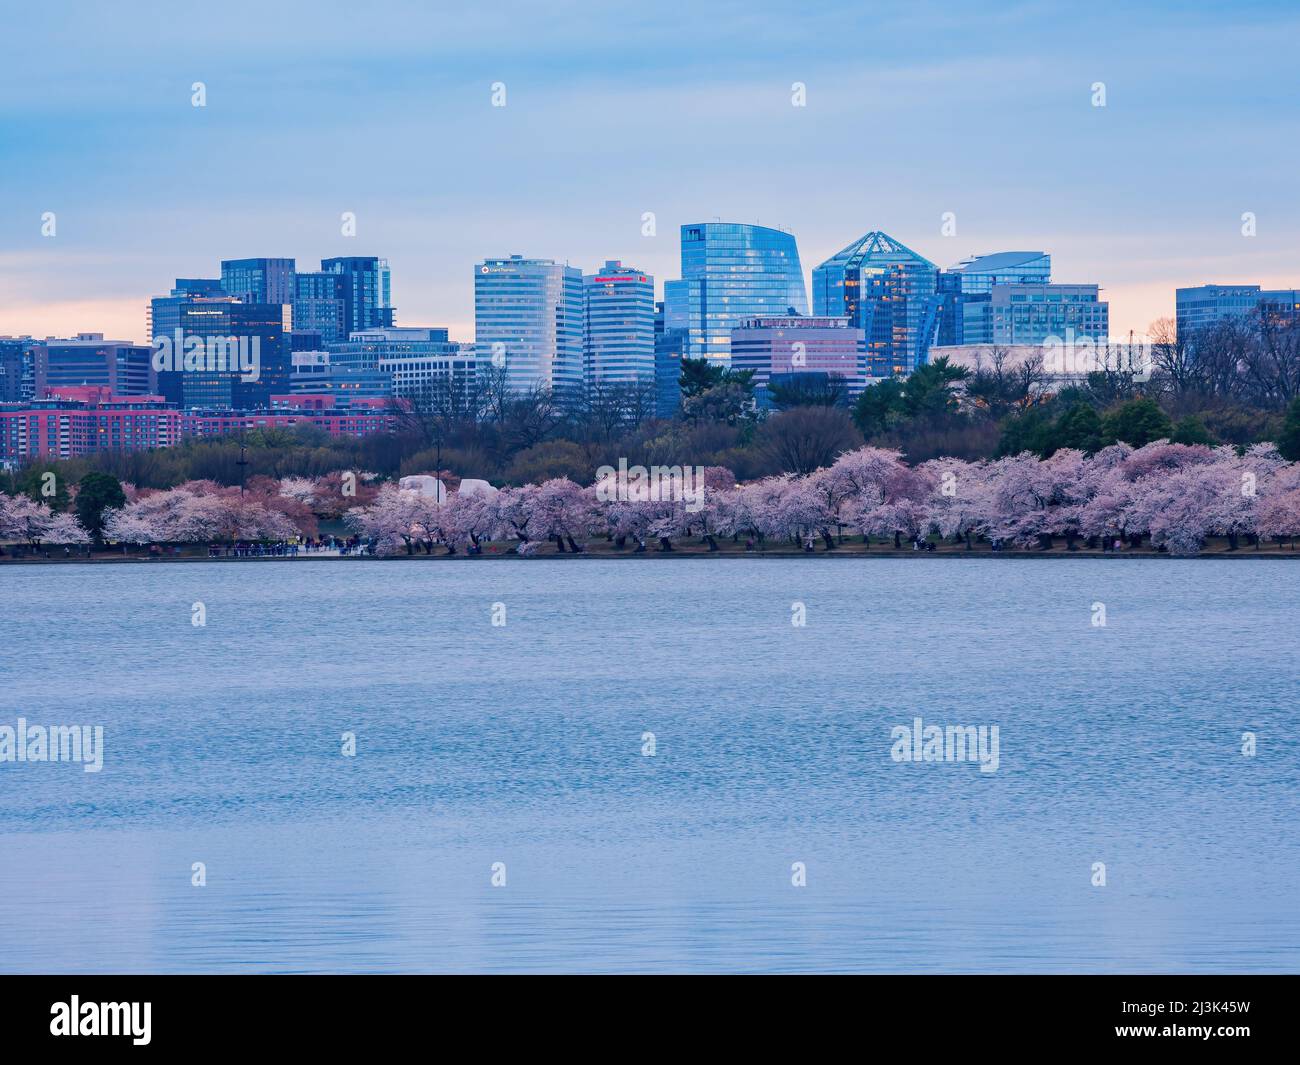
point(523, 745)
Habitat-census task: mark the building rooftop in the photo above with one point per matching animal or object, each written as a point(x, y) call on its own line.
point(999, 260)
point(877, 247)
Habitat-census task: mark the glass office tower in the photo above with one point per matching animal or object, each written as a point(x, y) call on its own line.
point(223, 318)
point(418, 362)
point(1206, 305)
point(258, 280)
point(528, 319)
point(320, 306)
point(17, 369)
point(972, 280)
point(980, 273)
point(620, 326)
point(888, 291)
point(731, 272)
point(367, 291)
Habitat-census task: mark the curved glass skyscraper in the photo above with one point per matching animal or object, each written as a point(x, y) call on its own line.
point(731, 272)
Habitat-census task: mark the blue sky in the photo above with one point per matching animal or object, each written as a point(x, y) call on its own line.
point(913, 110)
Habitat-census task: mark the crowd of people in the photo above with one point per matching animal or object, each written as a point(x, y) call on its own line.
point(293, 547)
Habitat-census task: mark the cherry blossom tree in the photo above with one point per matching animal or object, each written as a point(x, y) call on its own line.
point(562, 512)
point(508, 516)
point(1180, 496)
point(391, 521)
point(1277, 515)
point(960, 502)
point(23, 518)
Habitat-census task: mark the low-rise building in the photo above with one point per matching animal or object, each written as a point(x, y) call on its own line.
point(83, 420)
point(785, 345)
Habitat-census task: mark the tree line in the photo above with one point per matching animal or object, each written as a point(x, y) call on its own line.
point(1171, 497)
point(1236, 383)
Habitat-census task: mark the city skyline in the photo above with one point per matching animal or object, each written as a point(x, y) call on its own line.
point(97, 316)
point(977, 114)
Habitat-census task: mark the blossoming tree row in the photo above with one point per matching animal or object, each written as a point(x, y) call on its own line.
point(1173, 496)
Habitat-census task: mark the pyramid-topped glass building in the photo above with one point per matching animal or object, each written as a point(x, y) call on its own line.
point(887, 290)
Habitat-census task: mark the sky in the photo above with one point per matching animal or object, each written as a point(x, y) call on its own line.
point(913, 111)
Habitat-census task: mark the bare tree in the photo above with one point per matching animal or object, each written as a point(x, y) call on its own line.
point(1000, 385)
point(1272, 364)
point(805, 439)
point(1172, 366)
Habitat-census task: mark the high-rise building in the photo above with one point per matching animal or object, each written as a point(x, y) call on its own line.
point(980, 273)
point(972, 279)
point(528, 319)
point(17, 370)
point(620, 326)
point(123, 367)
point(888, 291)
point(258, 280)
point(790, 346)
point(202, 342)
point(1205, 305)
point(1030, 314)
point(367, 292)
point(730, 272)
point(320, 305)
point(669, 346)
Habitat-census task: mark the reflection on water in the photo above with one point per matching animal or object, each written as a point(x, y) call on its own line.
point(523, 745)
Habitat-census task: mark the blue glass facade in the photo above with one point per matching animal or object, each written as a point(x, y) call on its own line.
point(888, 291)
point(258, 280)
point(669, 345)
point(17, 372)
point(972, 280)
point(1030, 314)
point(219, 318)
point(199, 286)
point(122, 367)
point(1205, 305)
point(731, 272)
point(980, 273)
point(367, 291)
point(320, 305)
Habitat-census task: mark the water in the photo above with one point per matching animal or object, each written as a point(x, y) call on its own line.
point(523, 744)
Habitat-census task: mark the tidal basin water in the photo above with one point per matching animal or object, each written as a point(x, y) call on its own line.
point(523, 744)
